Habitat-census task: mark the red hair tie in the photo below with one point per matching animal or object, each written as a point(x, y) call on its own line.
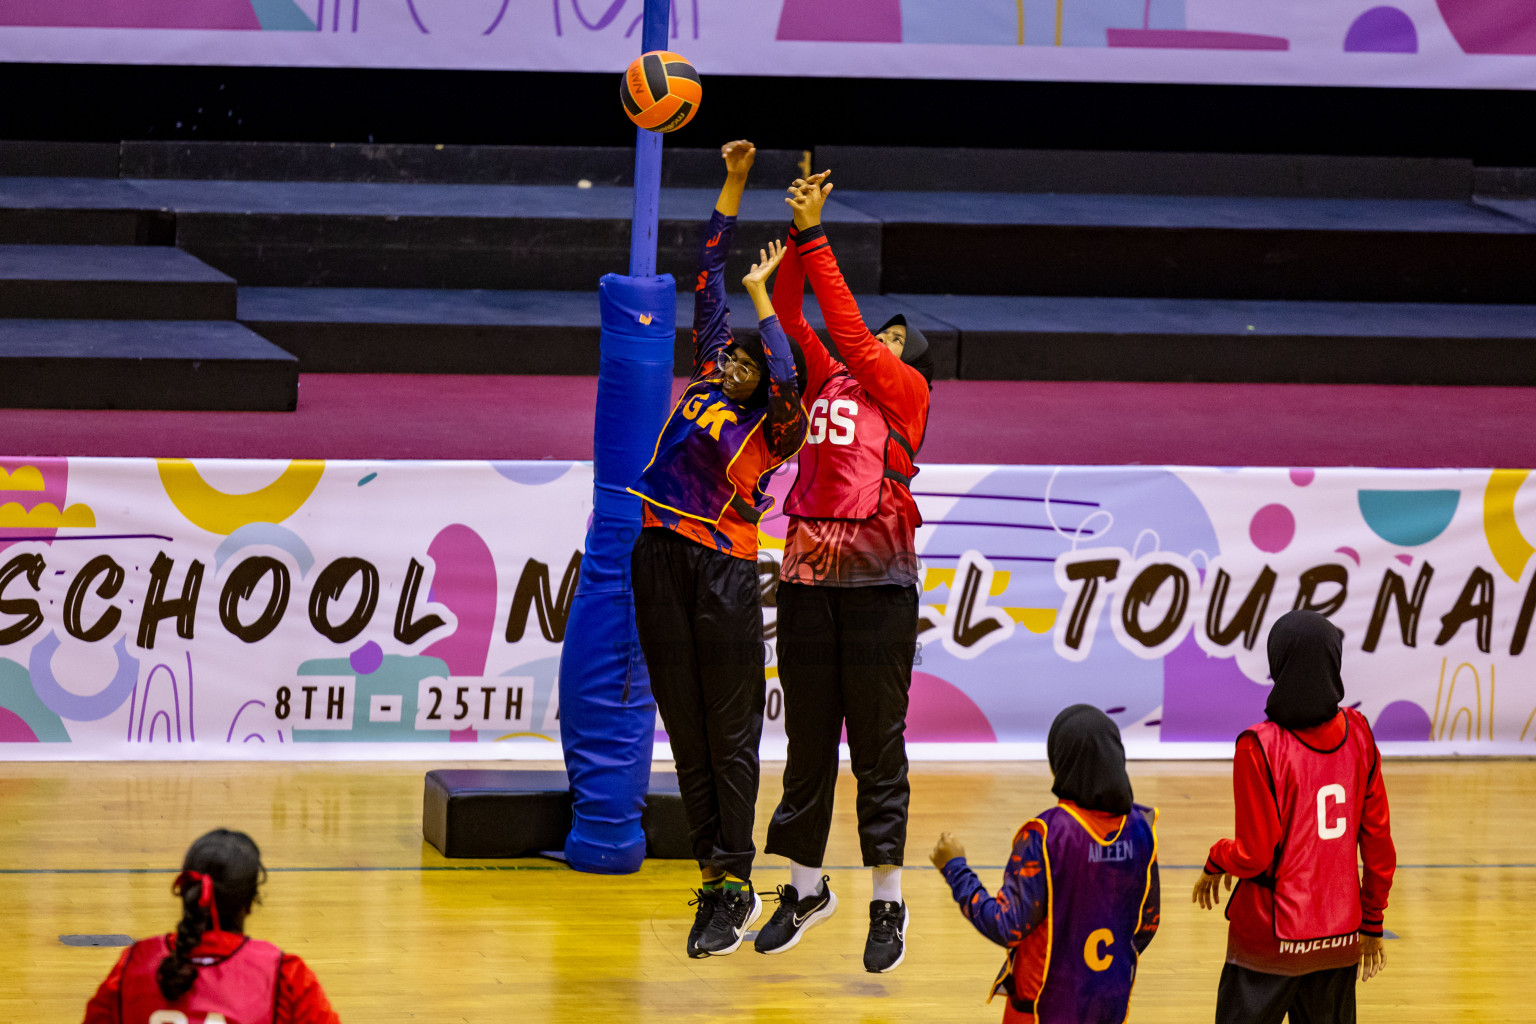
point(205, 894)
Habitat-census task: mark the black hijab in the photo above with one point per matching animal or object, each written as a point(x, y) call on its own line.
point(1088, 760)
point(1304, 654)
point(752, 345)
point(915, 352)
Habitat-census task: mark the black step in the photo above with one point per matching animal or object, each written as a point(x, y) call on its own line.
point(80, 211)
point(142, 364)
point(476, 165)
point(488, 813)
point(140, 282)
point(378, 330)
point(1384, 250)
point(1055, 338)
point(468, 236)
point(1181, 174)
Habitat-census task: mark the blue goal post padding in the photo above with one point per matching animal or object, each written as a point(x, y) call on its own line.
point(607, 714)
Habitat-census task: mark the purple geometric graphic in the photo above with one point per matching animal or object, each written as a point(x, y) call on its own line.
point(1403, 720)
point(1303, 477)
point(1205, 698)
point(868, 21)
point(366, 659)
point(1382, 30)
point(1491, 26)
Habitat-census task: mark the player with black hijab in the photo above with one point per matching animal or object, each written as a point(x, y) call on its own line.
point(1080, 896)
point(1303, 926)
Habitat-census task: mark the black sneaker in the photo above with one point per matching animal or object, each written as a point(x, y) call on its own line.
point(737, 909)
point(886, 946)
point(707, 900)
point(795, 917)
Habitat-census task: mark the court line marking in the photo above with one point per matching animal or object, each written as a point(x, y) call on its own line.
point(556, 866)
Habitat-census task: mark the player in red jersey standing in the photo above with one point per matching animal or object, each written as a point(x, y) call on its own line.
point(847, 595)
point(209, 970)
point(1307, 782)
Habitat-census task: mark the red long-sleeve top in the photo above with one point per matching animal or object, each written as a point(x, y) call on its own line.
point(1259, 831)
point(880, 549)
point(300, 999)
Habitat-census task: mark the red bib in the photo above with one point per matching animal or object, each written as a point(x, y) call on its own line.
point(237, 989)
point(1321, 798)
point(849, 451)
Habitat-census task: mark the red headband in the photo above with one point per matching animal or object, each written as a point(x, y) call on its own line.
point(204, 896)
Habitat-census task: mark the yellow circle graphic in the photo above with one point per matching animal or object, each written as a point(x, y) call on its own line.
point(217, 512)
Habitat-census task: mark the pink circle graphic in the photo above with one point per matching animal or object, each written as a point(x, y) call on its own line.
point(1273, 528)
point(1302, 477)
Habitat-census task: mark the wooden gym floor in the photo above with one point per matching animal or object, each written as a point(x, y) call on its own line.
point(396, 933)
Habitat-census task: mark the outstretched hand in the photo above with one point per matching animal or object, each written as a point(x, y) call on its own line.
point(767, 261)
point(806, 198)
point(738, 156)
point(946, 850)
point(1208, 890)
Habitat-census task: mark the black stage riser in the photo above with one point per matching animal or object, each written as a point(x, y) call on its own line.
point(477, 165)
point(1270, 359)
point(86, 227)
point(79, 383)
point(474, 252)
point(1178, 174)
point(1365, 266)
point(116, 300)
point(159, 365)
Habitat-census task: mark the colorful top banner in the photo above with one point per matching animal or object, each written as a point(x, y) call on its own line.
point(1484, 44)
point(245, 609)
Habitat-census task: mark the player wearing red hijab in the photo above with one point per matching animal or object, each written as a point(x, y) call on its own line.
point(1303, 923)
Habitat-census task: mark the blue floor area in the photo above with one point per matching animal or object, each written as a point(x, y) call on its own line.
point(377, 199)
point(127, 263)
point(508, 308)
point(370, 199)
point(1521, 209)
point(135, 340)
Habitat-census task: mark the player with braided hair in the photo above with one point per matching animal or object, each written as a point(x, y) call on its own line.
point(210, 970)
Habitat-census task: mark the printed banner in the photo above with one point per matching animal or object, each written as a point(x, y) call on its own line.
point(1479, 44)
point(348, 610)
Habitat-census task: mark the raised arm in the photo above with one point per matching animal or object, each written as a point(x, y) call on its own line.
point(1020, 903)
point(889, 381)
point(789, 304)
point(711, 315)
point(787, 425)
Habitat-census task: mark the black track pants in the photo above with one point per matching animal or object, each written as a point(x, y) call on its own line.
point(845, 655)
point(1253, 997)
point(701, 629)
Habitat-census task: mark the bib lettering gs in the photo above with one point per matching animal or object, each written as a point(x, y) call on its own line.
point(844, 461)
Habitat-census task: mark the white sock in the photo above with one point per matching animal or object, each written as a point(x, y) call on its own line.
point(888, 883)
point(807, 881)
